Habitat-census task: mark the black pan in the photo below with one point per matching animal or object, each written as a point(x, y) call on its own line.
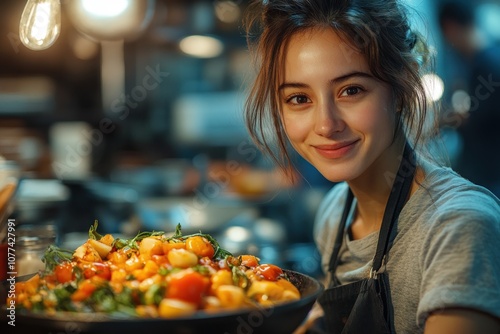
point(284, 318)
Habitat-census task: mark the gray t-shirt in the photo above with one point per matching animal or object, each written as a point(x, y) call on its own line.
point(445, 250)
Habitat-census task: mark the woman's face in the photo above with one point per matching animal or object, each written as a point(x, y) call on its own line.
point(336, 114)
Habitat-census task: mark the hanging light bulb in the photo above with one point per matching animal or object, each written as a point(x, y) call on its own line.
point(110, 20)
point(40, 23)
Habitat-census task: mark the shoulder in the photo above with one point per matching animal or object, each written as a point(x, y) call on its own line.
point(450, 210)
point(458, 213)
point(448, 196)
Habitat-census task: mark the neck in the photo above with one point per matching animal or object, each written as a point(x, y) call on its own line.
point(372, 189)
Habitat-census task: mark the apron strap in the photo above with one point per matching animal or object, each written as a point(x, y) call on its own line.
point(340, 235)
point(397, 199)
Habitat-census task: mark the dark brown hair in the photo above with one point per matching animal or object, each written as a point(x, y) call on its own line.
point(379, 29)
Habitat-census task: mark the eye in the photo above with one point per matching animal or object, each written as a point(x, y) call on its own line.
point(298, 99)
point(351, 90)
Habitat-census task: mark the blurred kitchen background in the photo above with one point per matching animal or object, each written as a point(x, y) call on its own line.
point(133, 117)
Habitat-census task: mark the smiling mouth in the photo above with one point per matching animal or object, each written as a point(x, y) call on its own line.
point(336, 151)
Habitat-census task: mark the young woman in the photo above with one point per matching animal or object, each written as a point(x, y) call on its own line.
point(408, 245)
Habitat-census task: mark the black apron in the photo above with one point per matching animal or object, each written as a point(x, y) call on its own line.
point(365, 306)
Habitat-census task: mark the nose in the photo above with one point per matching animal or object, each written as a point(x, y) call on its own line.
point(328, 120)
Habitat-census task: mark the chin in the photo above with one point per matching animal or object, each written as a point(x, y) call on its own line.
point(339, 175)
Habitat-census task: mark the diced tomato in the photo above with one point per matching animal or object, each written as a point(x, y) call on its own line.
point(189, 286)
point(249, 261)
point(64, 272)
point(200, 246)
point(99, 269)
point(269, 272)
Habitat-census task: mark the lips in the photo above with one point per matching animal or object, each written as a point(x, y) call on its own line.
point(337, 150)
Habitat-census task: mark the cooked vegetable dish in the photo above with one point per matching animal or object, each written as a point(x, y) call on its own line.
point(152, 275)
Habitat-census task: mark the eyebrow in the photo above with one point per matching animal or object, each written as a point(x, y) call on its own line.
point(336, 80)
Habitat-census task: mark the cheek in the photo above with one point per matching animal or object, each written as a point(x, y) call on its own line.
point(378, 120)
point(296, 128)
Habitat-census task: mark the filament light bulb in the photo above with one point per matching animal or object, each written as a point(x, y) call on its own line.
point(40, 24)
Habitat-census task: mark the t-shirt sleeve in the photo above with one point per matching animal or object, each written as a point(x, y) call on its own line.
point(461, 261)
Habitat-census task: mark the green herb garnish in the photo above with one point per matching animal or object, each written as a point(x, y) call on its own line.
point(132, 243)
point(54, 256)
point(93, 231)
point(219, 254)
